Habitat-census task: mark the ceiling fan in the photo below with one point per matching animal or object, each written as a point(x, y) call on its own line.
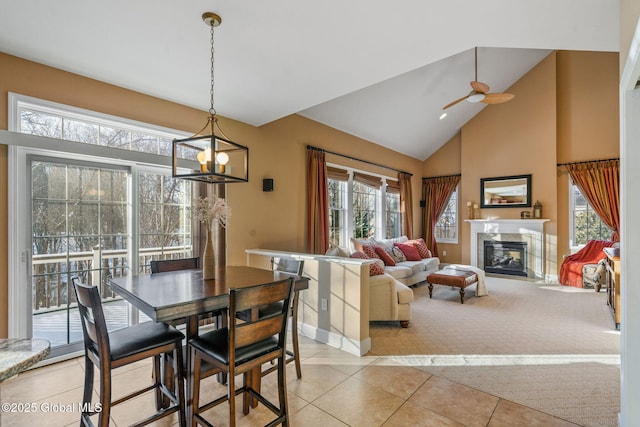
point(480, 92)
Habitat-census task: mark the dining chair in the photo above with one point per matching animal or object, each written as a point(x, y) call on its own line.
point(242, 347)
point(166, 265)
point(111, 350)
point(287, 265)
point(161, 266)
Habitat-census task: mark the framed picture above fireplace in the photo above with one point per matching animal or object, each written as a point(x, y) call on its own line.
point(506, 192)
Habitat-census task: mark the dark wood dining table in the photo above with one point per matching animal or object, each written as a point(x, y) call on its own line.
point(184, 294)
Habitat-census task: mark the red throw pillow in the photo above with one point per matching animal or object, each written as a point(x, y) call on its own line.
point(358, 254)
point(421, 246)
point(384, 256)
point(409, 251)
point(375, 270)
point(370, 251)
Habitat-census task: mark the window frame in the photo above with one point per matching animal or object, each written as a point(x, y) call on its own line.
point(22, 147)
point(573, 246)
point(380, 204)
point(457, 220)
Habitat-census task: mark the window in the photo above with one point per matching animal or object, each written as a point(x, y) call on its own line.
point(70, 124)
point(337, 212)
point(364, 210)
point(446, 230)
point(90, 213)
point(584, 222)
point(362, 205)
point(394, 216)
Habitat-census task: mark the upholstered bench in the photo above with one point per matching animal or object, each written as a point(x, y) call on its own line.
point(454, 278)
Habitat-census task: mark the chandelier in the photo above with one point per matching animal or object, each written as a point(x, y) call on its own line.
point(219, 159)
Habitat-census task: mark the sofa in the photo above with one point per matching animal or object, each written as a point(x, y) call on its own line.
point(407, 272)
point(390, 294)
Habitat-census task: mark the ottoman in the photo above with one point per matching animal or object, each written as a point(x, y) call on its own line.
point(454, 278)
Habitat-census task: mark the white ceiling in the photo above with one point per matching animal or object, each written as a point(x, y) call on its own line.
point(381, 70)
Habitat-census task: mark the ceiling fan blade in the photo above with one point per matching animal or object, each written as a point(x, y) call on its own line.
point(480, 87)
point(497, 98)
point(455, 102)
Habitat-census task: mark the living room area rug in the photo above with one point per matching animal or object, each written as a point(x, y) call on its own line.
point(549, 347)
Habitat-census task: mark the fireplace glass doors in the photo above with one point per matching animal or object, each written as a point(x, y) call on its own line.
point(505, 257)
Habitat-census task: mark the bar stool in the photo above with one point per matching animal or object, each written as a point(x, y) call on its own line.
point(110, 350)
point(242, 347)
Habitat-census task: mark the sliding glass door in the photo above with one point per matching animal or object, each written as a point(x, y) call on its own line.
point(79, 228)
point(84, 223)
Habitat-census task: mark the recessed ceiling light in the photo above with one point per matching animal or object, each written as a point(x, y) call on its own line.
point(443, 115)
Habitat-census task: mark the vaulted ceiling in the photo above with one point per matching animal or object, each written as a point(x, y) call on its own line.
point(380, 70)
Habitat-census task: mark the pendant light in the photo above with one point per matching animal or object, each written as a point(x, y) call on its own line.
point(219, 160)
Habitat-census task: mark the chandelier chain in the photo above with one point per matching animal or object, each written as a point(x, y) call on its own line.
point(212, 110)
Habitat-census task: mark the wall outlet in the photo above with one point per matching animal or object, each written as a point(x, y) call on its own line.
point(444, 253)
point(323, 304)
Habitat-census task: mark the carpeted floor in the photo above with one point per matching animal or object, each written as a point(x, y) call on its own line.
point(549, 347)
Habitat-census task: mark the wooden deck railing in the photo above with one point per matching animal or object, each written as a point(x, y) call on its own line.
point(51, 276)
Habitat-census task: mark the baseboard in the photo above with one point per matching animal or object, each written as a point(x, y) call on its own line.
point(359, 348)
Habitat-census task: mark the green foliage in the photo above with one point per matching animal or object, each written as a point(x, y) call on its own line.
point(589, 226)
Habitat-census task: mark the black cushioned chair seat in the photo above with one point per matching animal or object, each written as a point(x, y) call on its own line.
point(139, 338)
point(216, 345)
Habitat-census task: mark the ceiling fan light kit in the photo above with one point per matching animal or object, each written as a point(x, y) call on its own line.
point(480, 92)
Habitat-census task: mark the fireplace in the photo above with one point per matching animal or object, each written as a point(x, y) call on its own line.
point(503, 257)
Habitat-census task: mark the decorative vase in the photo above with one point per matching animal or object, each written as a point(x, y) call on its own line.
point(209, 258)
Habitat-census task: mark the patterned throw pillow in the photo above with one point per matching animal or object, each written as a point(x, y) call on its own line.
point(359, 255)
point(421, 246)
point(374, 269)
point(384, 255)
point(370, 251)
point(409, 251)
point(397, 254)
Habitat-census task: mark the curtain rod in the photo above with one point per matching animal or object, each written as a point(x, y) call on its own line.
point(441, 176)
point(311, 147)
point(587, 161)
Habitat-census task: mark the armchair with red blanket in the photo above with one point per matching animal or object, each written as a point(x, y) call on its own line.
point(571, 269)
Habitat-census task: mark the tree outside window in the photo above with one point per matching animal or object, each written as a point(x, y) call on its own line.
point(446, 229)
point(585, 223)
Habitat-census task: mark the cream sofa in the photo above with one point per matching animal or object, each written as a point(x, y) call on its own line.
point(389, 294)
point(406, 272)
point(389, 300)
point(342, 298)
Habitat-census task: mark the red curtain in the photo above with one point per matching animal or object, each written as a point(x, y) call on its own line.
point(406, 204)
point(436, 192)
point(317, 203)
point(599, 183)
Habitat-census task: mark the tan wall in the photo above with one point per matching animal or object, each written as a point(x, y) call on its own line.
point(273, 220)
point(552, 120)
point(513, 139)
point(281, 155)
point(446, 161)
point(588, 120)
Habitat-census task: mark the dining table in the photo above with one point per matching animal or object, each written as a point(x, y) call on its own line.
point(185, 294)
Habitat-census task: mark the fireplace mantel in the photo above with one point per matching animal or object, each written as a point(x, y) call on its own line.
point(531, 227)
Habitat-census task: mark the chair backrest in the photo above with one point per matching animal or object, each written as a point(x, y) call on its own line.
point(243, 333)
point(288, 265)
point(94, 326)
point(161, 266)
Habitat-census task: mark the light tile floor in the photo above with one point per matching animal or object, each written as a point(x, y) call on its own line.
point(336, 389)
